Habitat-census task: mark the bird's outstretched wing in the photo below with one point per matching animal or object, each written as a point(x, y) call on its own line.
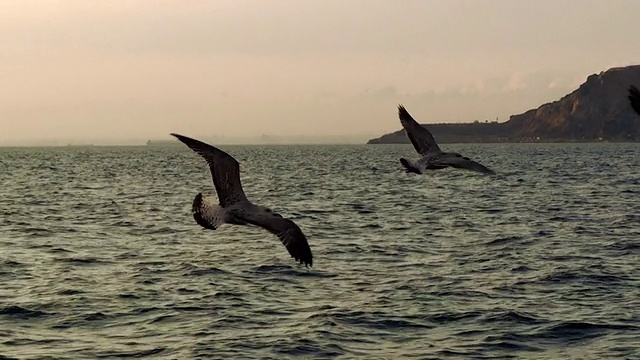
point(420, 137)
point(634, 98)
point(225, 170)
point(460, 162)
point(286, 230)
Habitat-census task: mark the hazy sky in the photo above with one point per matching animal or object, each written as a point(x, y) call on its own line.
point(140, 69)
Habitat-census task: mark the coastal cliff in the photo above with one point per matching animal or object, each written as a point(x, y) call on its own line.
point(597, 111)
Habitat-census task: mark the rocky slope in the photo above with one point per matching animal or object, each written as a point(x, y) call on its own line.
point(597, 110)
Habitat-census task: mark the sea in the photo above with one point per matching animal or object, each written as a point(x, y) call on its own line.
point(100, 257)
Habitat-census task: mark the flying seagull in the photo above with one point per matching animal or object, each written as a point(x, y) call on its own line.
point(235, 208)
point(431, 157)
point(634, 98)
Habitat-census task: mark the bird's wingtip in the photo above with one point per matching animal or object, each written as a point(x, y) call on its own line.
point(304, 258)
point(402, 111)
point(180, 137)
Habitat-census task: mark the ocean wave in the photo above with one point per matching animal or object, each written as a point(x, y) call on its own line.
point(104, 260)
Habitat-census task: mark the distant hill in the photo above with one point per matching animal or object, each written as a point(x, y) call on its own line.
point(597, 111)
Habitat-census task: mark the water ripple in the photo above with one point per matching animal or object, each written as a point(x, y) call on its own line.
point(103, 259)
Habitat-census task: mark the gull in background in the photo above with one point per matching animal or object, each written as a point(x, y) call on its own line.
point(432, 158)
point(235, 208)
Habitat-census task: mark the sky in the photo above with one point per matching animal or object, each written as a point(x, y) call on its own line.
point(127, 71)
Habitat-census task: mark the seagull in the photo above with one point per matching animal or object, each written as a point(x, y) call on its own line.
point(235, 208)
point(634, 98)
point(432, 158)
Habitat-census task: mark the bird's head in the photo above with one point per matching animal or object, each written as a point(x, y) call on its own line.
point(269, 211)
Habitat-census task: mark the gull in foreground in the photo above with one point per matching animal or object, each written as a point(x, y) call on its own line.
point(634, 98)
point(432, 158)
point(235, 208)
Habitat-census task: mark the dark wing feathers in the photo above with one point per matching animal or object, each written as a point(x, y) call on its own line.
point(420, 137)
point(287, 231)
point(634, 98)
point(225, 170)
point(462, 162)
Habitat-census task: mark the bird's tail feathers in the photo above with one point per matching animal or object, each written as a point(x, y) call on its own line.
point(207, 214)
point(409, 166)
